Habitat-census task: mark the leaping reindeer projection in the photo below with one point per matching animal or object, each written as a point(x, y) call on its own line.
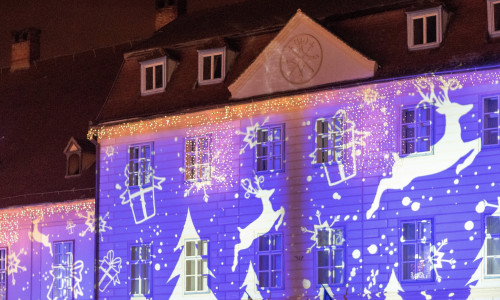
point(263, 223)
point(447, 151)
point(40, 237)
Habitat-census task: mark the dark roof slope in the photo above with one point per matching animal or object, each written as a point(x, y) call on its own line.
point(377, 29)
point(41, 109)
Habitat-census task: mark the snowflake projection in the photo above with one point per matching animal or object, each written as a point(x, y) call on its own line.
point(321, 226)
point(196, 185)
point(110, 151)
point(70, 227)
point(13, 265)
point(436, 257)
point(371, 98)
point(250, 138)
point(372, 281)
point(90, 222)
point(76, 275)
point(352, 140)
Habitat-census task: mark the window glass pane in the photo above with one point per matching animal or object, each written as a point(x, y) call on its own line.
point(323, 276)
point(493, 246)
point(408, 131)
point(207, 66)
point(264, 279)
point(190, 267)
point(409, 231)
point(493, 225)
point(158, 76)
point(431, 29)
point(323, 238)
point(277, 243)
point(264, 243)
point(491, 137)
point(218, 66)
point(425, 232)
point(202, 283)
point(496, 16)
point(276, 279)
point(338, 260)
point(338, 275)
point(276, 262)
point(418, 31)
point(149, 78)
point(491, 121)
point(408, 271)
point(409, 252)
point(408, 116)
point(277, 134)
point(323, 259)
point(491, 104)
point(263, 262)
point(190, 284)
point(190, 248)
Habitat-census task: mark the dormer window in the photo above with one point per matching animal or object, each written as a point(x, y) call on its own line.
point(425, 28)
point(73, 154)
point(153, 76)
point(211, 66)
point(494, 18)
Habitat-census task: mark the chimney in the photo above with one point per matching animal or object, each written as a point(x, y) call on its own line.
point(167, 11)
point(25, 48)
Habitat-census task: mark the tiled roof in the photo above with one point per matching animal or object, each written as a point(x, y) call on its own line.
point(377, 29)
point(41, 109)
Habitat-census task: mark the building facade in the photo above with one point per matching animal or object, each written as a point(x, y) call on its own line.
point(341, 152)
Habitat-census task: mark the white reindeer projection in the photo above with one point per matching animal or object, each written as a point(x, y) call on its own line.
point(40, 237)
point(447, 151)
point(263, 223)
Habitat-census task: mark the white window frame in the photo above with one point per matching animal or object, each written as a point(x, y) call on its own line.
point(211, 53)
point(489, 237)
point(194, 164)
point(491, 18)
point(267, 160)
point(416, 124)
point(3, 273)
point(335, 245)
point(330, 140)
point(200, 261)
point(63, 263)
point(140, 262)
point(423, 14)
point(273, 255)
point(161, 61)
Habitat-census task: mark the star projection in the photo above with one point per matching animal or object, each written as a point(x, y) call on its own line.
point(250, 138)
point(446, 152)
point(264, 222)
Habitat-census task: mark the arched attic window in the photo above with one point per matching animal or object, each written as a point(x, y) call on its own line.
point(73, 152)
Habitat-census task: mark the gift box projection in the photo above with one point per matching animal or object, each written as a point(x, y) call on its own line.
point(387, 190)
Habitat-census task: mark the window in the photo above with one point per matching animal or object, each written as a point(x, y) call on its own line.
point(63, 270)
point(416, 129)
point(269, 151)
point(490, 120)
point(198, 158)
point(270, 261)
point(211, 65)
point(330, 140)
point(3, 273)
point(330, 256)
point(140, 270)
point(196, 262)
point(492, 246)
point(73, 152)
point(153, 76)
point(425, 28)
point(140, 171)
point(494, 18)
point(416, 250)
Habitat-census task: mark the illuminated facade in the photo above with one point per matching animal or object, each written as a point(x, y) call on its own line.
point(307, 172)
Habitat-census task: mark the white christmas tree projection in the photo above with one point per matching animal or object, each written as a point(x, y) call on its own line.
point(141, 198)
point(189, 233)
point(446, 152)
point(321, 226)
point(352, 140)
point(251, 285)
point(13, 265)
point(250, 138)
point(264, 222)
point(437, 258)
point(76, 276)
point(479, 275)
point(393, 288)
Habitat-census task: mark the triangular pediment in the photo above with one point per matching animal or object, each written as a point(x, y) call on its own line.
point(72, 146)
point(303, 54)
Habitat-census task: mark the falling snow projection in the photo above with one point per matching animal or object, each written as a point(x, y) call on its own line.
point(90, 223)
point(317, 228)
point(250, 138)
point(37, 236)
point(480, 275)
point(76, 275)
point(13, 265)
point(251, 284)
point(436, 258)
point(349, 139)
point(446, 152)
point(188, 233)
point(110, 266)
point(141, 198)
point(263, 223)
point(372, 281)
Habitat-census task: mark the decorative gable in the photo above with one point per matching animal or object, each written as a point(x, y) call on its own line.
point(302, 55)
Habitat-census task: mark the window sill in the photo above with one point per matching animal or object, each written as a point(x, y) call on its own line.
point(424, 46)
point(209, 82)
point(152, 92)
